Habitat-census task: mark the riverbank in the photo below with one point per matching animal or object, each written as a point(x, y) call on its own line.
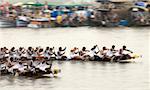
point(47, 15)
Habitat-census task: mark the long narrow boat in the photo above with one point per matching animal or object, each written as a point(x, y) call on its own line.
point(7, 23)
point(39, 74)
point(39, 23)
point(131, 58)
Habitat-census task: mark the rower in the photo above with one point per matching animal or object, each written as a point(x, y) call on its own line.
point(21, 67)
point(29, 53)
point(113, 49)
point(94, 52)
point(34, 54)
point(47, 53)
point(125, 49)
point(19, 53)
point(111, 52)
point(60, 53)
point(6, 53)
point(125, 53)
point(84, 53)
point(23, 54)
point(31, 67)
point(12, 53)
point(103, 52)
point(52, 53)
point(43, 66)
point(18, 66)
point(40, 54)
point(74, 54)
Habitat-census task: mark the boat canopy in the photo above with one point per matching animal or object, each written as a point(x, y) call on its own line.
point(38, 5)
point(29, 3)
point(18, 4)
point(57, 4)
point(138, 8)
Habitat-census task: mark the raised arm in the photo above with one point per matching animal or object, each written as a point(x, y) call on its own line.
point(64, 49)
point(129, 51)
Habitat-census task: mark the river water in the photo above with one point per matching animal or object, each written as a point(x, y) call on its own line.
point(83, 75)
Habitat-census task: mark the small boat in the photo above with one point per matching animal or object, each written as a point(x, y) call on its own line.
point(39, 23)
point(4, 23)
point(22, 21)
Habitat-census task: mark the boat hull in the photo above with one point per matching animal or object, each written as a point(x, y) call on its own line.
point(7, 23)
point(21, 23)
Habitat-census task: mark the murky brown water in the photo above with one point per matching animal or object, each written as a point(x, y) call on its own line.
point(83, 75)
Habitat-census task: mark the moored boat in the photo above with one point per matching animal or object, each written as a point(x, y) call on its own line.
point(7, 23)
point(22, 21)
point(39, 23)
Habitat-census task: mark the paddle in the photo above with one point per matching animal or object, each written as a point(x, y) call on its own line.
point(51, 63)
point(0, 68)
point(98, 49)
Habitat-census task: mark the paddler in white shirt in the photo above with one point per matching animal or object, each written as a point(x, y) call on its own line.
point(93, 53)
point(60, 53)
point(18, 66)
point(125, 50)
point(111, 52)
point(52, 52)
point(103, 52)
point(29, 53)
point(12, 53)
point(84, 53)
point(19, 53)
point(74, 54)
point(6, 51)
point(47, 53)
point(125, 53)
point(43, 66)
point(41, 54)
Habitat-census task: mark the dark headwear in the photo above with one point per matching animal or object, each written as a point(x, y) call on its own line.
point(30, 48)
point(51, 49)
point(41, 50)
point(113, 46)
point(47, 48)
point(60, 48)
point(84, 48)
point(13, 48)
point(20, 63)
point(104, 48)
point(124, 47)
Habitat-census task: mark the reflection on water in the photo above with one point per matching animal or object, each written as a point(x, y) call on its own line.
point(83, 75)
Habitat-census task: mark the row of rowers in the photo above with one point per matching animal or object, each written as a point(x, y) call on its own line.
point(75, 53)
